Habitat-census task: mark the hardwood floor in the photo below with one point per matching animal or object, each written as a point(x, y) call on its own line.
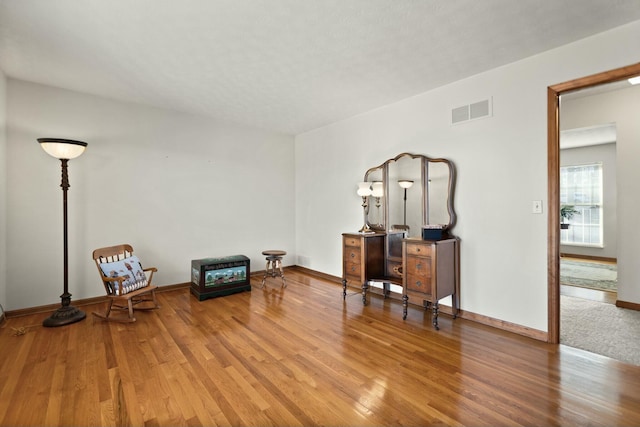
point(300, 356)
point(590, 294)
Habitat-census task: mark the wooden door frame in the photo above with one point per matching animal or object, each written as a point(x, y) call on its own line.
point(553, 170)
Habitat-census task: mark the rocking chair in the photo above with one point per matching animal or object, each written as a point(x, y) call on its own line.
point(126, 283)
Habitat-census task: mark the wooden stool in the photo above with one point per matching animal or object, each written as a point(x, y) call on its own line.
point(274, 265)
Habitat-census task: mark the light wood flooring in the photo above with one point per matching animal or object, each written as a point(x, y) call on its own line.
point(608, 297)
point(300, 356)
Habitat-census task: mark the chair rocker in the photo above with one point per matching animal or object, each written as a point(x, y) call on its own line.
point(126, 283)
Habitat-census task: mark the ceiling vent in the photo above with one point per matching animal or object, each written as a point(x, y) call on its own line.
point(477, 110)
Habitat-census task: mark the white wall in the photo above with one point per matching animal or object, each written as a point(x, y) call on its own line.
point(177, 187)
point(501, 163)
point(620, 107)
point(3, 190)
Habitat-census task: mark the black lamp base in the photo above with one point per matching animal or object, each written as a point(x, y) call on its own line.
point(65, 315)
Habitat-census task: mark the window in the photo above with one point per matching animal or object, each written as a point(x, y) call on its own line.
point(581, 187)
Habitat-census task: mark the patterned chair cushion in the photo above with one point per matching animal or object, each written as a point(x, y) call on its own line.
point(130, 269)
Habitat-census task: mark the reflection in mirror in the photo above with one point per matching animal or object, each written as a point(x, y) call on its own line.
point(405, 184)
point(375, 216)
point(377, 193)
point(438, 193)
point(405, 213)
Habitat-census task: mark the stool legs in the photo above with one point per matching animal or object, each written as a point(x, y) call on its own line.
point(273, 269)
point(266, 272)
point(284, 285)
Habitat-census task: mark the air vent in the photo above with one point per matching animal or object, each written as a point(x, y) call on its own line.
point(460, 114)
point(477, 110)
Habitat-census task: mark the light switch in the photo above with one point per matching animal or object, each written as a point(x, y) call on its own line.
point(536, 207)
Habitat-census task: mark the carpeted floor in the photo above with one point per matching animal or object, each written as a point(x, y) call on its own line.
point(600, 328)
point(593, 275)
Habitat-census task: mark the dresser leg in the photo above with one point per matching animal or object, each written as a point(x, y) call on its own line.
point(365, 286)
point(454, 300)
point(405, 303)
point(435, 316)
point(344, 289)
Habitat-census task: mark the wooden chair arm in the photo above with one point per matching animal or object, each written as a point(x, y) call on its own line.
point(150, 270)
point(109, 283)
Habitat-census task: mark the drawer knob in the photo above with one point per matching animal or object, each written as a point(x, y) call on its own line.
point(419, 266)
point(353, 255)
point(353, 268)
point(419, 283)
point(417, 249)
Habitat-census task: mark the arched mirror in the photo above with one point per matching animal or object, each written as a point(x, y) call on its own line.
point(416, 191)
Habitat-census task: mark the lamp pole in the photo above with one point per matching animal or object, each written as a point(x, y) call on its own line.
point(64, 149)
point(405, 184)
point(405, 206)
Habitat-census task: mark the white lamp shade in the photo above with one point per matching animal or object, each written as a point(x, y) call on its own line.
point(364, 189)
point(377, 189)
point(62, 148)
point(405, 183)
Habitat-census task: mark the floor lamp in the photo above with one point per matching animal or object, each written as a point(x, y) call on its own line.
point(65, 150)
point(405, 184)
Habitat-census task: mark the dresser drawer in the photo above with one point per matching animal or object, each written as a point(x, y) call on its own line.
point(352, 254)
point(419, 266)
point(419, 283)
point(352, 241)
point(418, 249)
point(352, 268)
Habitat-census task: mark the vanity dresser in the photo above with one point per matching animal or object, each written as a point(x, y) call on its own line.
point(405, 250)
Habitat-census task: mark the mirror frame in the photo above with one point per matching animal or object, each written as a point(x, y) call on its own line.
point(424, 165)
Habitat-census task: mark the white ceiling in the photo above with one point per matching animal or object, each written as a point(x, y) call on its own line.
point(591, 135)
point(284, 65)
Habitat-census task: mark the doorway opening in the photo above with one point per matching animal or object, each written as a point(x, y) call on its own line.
point(553, 171)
